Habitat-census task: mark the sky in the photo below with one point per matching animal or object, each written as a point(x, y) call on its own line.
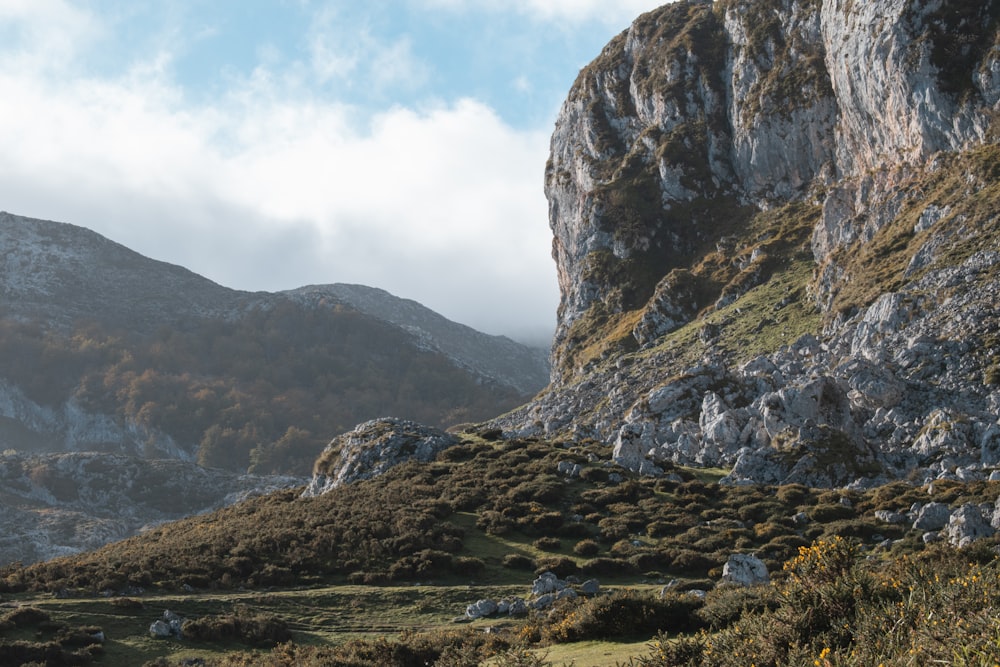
point(268, 145)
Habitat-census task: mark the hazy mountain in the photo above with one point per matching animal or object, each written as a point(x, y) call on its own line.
point(107, 350)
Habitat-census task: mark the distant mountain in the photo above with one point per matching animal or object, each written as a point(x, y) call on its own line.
point(104, 349)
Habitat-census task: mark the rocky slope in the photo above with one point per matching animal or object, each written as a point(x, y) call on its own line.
point(775, 227)
point(106, 350)
point(57, 504)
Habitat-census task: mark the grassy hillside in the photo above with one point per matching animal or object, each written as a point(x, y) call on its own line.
point(264, 391)
point(375, 572)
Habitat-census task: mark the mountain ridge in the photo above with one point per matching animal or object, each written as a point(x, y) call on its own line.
point(761, 207)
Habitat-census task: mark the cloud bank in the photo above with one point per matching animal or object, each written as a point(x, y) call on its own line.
point(274, 182)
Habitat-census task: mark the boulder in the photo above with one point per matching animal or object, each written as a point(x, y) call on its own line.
point(160, 630)
point(543, 601)
point(888, 516)
point(590, 587)
point(745, 570)
point(481, 609)
point(373, 448)
point(518, 607)
point(966, 525)
point(932, 516)
point(547, 582)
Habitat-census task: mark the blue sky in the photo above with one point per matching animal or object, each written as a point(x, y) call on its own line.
point(272, 144)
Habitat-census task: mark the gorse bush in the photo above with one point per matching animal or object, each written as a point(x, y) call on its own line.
point(836, 606)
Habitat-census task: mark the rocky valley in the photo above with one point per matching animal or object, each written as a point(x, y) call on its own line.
point(771, 428)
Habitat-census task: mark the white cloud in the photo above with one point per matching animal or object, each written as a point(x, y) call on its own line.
point(41, 34)
point(571, 11)
point(342, 52)
point(269, 188)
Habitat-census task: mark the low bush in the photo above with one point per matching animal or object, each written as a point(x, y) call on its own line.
point(243, 625)
point(547, 543)
point(518, 562)
point(586, 548)
point(623, 614)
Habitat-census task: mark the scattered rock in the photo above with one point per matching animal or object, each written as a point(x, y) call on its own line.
point(481, 609)
point(932, 516)
point(888, 516)
point(745, 570)
point(966, 525)
point(547, 582)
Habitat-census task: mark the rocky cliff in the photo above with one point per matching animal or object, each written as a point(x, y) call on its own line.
point(776, 232)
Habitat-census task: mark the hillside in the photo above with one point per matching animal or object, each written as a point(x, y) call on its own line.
point(777, 243)
point(105, 350)
point(772, 431)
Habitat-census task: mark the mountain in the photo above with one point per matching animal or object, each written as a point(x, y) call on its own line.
point(776, 232)
point(102, 349)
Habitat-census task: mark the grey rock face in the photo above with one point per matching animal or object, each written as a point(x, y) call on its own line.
point(481, 609)
point(666, 138)
point(745, 570)
point(373, 448)
point(932, 516)
point(966, 525)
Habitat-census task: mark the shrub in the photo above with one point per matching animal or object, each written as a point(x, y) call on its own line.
point(594, 475)
point(586, 548)
point(547, 543)
point(561, 566)
point(607, 566)
point(369, 578)
point(243, 625)
point(624, 614)
point(518, 562)
point(468, 565)
point(828, 512)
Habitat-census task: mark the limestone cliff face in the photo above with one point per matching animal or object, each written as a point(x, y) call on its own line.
point(699, 108)
point(726, 178)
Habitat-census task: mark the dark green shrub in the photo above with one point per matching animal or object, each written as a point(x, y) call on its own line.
point(725, 605)
point(586, 548)
point(647, 561)
point(546, 522)
point(468, 565)
point(794, 495)
point(518, 562)
point(594, 475)
point(623, 614)
point(23, 617)
point(761, 511)
point(547, 543)
point(828, 512)
point(561, 566)
point(607, 567)
point(369, 578)
point(242, 625)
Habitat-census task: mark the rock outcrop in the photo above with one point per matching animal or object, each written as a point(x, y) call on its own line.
point(373, 448)
point(776, 233)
